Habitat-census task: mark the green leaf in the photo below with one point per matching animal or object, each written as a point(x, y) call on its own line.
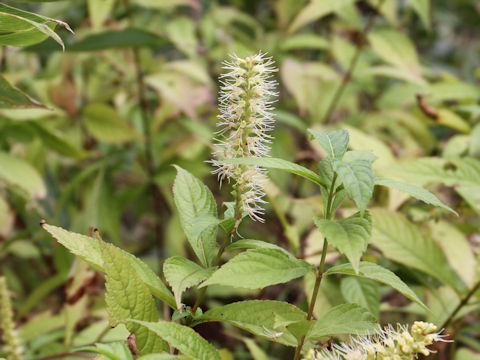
point(56, 142)
point(183, 338)
point(23, 28)
point(402, 241)
point(334, 142)
point(21, 175)
point(128, 297)
point(397, 50)
point(255, 244)
point(315, 10)
point(13, 98)
point(88, 249)
point(182, 274)
point(275, 163)
point(422, 8)
point(258, 268)
point(113, 351)
point(350, 235)
point(304, 41)
point(118, 39)
point(376, 272)
point(106, 125)
point(414, 191)
point(193, 199)
point(342, 319)
point(358, 179)
point(264, 318)
point(363, 292)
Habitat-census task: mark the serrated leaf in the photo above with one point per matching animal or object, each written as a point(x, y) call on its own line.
point(334, 142)
point(358, 179)
point(128, 297)
point(259, 317)
point(275, 163)
point(414, 191)
point(193, 199)
point(378, 273)
point(363, 292)
point(117, 350)
point(350, 236)
point(342, 319)
point(88, 249)
point(182, 274)
point(13, 98)
point(20, 174)
point(402, 241)
point(258, 268)
point(183, 338)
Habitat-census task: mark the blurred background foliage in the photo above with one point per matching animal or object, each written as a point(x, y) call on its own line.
point(134, 92)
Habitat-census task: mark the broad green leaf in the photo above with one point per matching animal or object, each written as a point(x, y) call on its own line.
point(397, 49)
point(55, 142)
point(402, 241)
point(204, 223)
point(315, 10)
point(21, 175)
point(106, 125)
point(13, 98)
point(23, 28)
point(378, 273)
point(363, 292)
point(258, 268)
point(162, 356)
point(275, 163)
point(452, 120)
point(452, 90)
point(474, 142)
point(255, 244)
point(304, 41)
point(99, 11)
point(342, 319)
point(182, 274)
point(264, 318)
point(128, 297)
point(193, 199)
point(456, 248)
point(466, 354)
point(88, 249)
point(183, 338)
point(358, 179)
point(118, 39)
point(422, 8)
point(334, 142)
point(117, 350)
point(414, 191)
point(350, 236)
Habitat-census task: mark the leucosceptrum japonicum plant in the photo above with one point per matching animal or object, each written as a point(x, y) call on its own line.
point(239, 160)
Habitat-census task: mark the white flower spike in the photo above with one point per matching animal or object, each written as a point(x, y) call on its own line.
point(385, 344)
point(246, 118)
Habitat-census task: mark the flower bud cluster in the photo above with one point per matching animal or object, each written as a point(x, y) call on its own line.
point(12, 347)
point(245, 121)
point(385, 344)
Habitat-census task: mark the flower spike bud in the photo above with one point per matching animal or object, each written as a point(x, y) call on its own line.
point(246, 119)
point(386, 344)
point(12, 346)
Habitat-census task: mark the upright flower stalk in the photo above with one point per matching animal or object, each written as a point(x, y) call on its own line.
point(10, 339)
point(246, 119)
point(386, 344)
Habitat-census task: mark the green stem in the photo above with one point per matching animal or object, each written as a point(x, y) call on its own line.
point(328, 215)
point(347, 76)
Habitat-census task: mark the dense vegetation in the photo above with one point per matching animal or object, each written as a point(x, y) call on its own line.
point(369, 214)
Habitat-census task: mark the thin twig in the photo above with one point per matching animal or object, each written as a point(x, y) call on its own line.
point(321, 267)
point(351, 68)
point(461, 305)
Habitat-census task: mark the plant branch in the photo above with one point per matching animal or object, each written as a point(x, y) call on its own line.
point(462, 303)
point(347, 76)
point(321, 267)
